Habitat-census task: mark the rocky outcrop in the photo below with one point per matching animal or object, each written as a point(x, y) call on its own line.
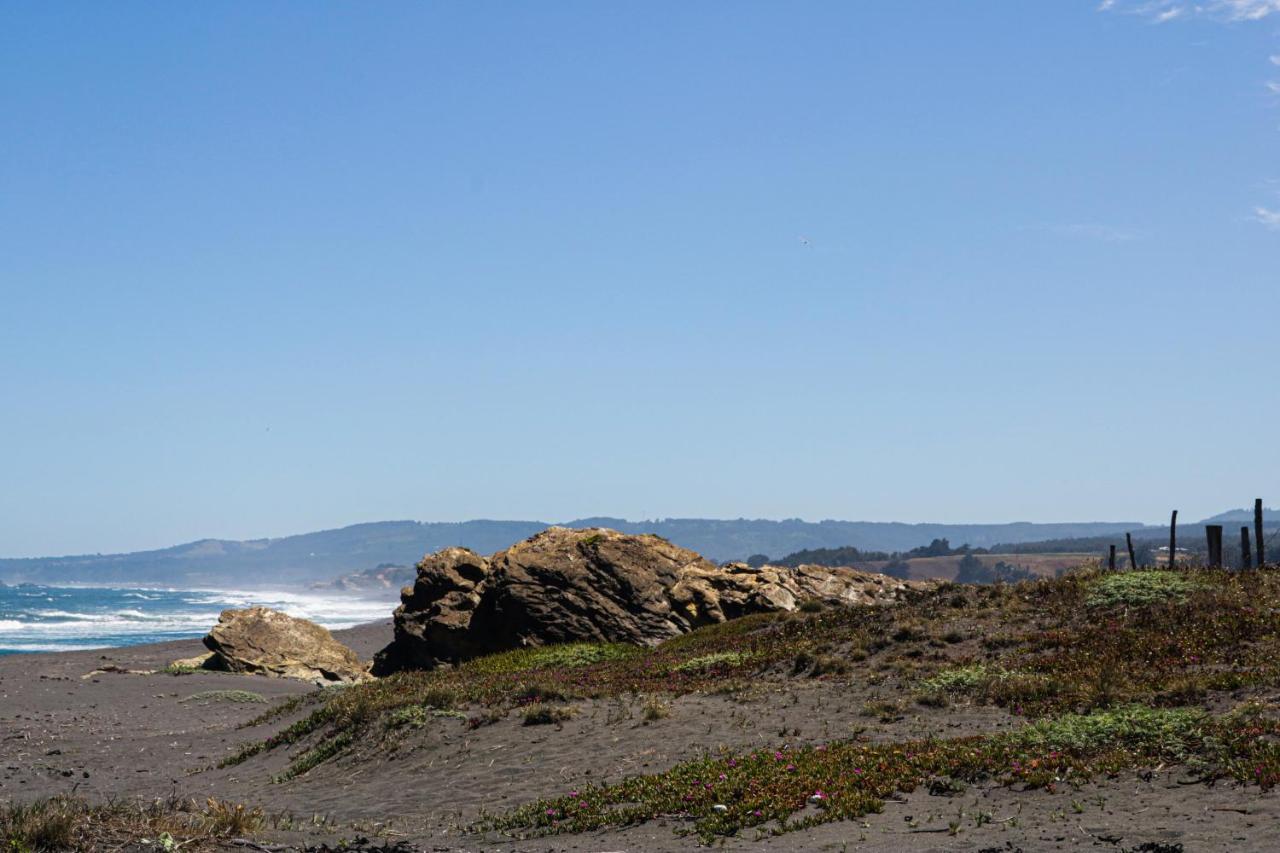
point(568, 585)
point(385, 579)
point(262, 641)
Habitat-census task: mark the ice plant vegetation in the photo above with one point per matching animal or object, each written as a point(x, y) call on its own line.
point(1086, 657)
point(778, 791)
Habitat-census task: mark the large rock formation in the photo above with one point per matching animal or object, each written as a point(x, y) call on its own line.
point(600, 585)
point(266, 642)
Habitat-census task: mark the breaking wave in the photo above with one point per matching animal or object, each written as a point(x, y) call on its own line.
point(71, 618)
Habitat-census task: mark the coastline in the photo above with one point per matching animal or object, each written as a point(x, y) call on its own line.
point(90, 725)
point(73, 618)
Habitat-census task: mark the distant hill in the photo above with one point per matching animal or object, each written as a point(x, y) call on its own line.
point(1243, 516)
point(327, 554)
point(273, 562)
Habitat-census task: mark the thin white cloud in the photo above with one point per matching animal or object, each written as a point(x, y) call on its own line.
point(1094, 231)
point(1249, 10)
point(1268, 217)
point(1162, 11)
point(1231, 11)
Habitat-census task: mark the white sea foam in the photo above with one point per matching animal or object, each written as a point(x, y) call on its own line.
point(329, 611)
point(52, 647)
point(63, 614)
point(110, 626)
point(162, 617)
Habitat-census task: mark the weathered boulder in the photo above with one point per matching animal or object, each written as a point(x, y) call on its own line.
point(566, 585)
point(434, 619)
point(262, 641)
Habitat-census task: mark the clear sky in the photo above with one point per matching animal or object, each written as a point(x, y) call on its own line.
point(267, 268)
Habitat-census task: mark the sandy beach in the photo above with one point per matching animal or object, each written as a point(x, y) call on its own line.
point(116, 734)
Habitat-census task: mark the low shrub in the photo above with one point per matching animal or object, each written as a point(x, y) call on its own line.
point(542, 715)
point(238, 696)
point(64, 823)
point(40, 826)
point(717, 660)
point(566, 656)
point(655, 709)
point(961, 679)
point(226, 819)
point(1140, 589)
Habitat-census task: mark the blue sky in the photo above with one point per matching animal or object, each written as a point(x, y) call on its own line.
point(269, 268)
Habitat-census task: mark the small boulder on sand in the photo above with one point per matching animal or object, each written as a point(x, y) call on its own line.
point(262, 641)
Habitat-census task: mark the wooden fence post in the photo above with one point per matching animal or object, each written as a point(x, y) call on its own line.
point(1133, 561)
point(1214, 534)
point(1257, 532)
point(1173, 539)
point(1113, 558)
point(1246, 559)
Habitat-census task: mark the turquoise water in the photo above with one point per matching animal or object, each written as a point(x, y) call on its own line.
point(37, 618)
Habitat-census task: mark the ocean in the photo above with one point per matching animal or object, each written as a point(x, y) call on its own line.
point(37, 618)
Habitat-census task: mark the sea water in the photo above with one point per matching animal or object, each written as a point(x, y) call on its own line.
point(37, 618)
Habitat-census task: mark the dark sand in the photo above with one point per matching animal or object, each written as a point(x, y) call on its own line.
point(122, 735)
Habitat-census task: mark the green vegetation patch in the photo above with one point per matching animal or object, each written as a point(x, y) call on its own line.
point(962, 679)
point(721, 660)
point(1178, 732)
point(542, 715)
point(1140, 589)
point(238, 696)
point(566, 656)
point(65, 823)
point(179, 669)
point(417, 716)
point(1048, 652)
point(766, 789)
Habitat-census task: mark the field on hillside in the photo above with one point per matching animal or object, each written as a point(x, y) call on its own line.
point(945, 568)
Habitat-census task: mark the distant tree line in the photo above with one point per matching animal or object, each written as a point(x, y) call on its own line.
point(973, 570)
point(1146, 544)
point(851, 556)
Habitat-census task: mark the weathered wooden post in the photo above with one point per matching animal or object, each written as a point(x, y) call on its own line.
point(1214, 534)
point(1246, 559)
point(1133, 561)
point(1257, 532)
point(1173, 539)
point(1112, 562)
